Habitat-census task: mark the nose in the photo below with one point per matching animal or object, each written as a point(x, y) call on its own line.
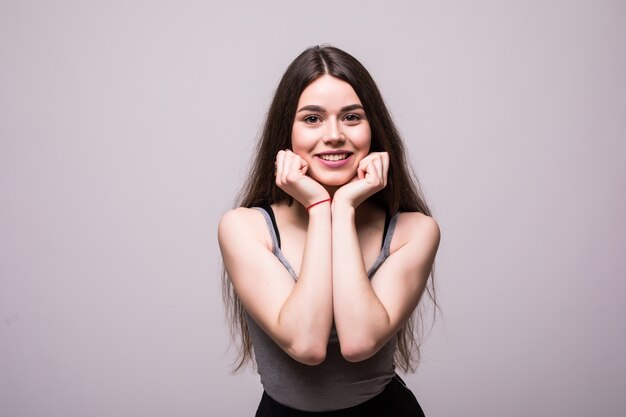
point(333, 134)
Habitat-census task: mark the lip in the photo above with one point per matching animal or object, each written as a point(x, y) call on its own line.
point(334, 164)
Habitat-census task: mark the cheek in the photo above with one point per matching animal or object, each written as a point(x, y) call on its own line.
point(295, 140)
point(296, 146)
point(302, 140)
point(364, 138)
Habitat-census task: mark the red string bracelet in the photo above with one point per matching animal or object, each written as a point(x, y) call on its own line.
point(319, 202)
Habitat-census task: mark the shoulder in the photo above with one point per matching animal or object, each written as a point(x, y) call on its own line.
point(242, 223)
point(415, 221)
point(240, 214)
point(237, 216)
point(414, 227)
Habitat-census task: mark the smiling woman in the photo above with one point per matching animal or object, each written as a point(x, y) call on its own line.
point(327, 260)
point(331, 132)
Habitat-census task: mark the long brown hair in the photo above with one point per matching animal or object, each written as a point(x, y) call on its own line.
point(402, 192)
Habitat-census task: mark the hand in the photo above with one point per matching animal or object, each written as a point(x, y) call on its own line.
point(291, 178)
point(371, 177)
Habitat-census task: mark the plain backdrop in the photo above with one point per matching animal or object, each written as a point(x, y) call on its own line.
point(126, 129)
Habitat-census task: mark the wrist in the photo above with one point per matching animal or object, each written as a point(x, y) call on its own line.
point(319, 212)
point(342, 208)
point(317, 203)
point(343, 203)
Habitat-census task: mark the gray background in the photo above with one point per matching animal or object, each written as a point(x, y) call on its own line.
point(126, 129)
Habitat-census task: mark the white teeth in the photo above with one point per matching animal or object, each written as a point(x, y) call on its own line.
point(334, 157)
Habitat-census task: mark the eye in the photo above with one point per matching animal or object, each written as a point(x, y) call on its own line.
point(352, 117)
point(312, 119)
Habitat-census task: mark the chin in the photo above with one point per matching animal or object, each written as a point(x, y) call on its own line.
point(334, 181)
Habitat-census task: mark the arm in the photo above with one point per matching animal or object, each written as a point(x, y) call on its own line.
point(368, 313)
point(297, 315)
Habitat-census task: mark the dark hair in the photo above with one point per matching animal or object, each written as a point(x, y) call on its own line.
point(402, 192)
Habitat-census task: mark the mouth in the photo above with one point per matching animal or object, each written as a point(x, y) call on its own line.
point(334, 156)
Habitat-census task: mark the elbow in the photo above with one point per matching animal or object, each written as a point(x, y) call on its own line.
point(308, 354)
point(358, 350)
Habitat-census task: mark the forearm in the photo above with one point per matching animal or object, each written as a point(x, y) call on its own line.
point(307, 313)
point(360, 317)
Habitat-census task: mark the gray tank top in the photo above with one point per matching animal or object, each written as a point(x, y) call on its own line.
point(335, 383)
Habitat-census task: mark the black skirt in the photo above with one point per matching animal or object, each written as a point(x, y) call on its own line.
point(396, 400)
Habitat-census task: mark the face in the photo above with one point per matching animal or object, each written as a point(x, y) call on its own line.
point(330, 131)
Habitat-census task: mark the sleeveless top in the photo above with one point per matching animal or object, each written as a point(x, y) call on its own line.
point(335, 383)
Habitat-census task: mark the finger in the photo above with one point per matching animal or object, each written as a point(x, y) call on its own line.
point(373, 175)
point(287, 163)
point(304, 166)
point(362, 168)
point(360, 171)
point(373, 169)
point(280, 158)
point(377, 164)
point(385, 159)
point(296, 163)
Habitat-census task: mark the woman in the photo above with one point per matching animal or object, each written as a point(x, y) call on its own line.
point(331, 249)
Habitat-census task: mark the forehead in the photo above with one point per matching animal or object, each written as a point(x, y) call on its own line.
point(328, 90)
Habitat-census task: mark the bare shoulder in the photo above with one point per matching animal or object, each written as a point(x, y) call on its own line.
point(416, 228)
point(242, 223)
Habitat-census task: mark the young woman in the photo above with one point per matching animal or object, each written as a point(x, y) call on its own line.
point(331, 249)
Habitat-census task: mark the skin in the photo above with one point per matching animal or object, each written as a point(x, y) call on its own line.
point(332, 245)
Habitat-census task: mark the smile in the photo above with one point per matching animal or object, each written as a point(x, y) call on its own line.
point(334, 156)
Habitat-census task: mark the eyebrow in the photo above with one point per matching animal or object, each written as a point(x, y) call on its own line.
point(320, 109)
